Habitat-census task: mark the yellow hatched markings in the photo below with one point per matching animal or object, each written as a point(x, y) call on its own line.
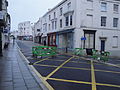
point(77, 68)
point(64, 80)
point(58, 68)
point(41, 61)
point(109, 85)
point(83, 82)
point(93, 76)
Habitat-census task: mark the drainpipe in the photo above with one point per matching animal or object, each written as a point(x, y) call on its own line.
point(1, 54)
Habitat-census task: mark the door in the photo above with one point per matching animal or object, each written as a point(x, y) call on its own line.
point(102, 45)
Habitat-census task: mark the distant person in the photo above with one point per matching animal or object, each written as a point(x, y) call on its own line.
point(13, 40)
point(44, 43)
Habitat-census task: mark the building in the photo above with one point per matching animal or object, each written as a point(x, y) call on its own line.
point(89, 24)
point(25, 30)
point(5, 23)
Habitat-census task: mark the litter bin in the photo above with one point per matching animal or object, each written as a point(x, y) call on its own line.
point(89, 51)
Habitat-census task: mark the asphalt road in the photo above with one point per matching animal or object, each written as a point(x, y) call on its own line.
point(66, 72)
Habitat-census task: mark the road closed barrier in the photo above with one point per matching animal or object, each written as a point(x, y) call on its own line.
point(43, 51)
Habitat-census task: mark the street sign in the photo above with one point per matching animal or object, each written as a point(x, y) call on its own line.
point(83, 38)
point(1, 15)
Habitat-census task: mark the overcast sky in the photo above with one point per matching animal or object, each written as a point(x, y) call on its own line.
point(28, 10)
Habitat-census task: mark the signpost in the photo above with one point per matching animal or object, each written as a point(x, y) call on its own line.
point(82, 41)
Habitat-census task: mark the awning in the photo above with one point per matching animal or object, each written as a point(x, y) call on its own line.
point(65, 31)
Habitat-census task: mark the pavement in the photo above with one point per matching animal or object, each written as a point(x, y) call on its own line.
point(15, 73)
point(68, 72)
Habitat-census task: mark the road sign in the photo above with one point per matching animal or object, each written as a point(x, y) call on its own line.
point(83, 38)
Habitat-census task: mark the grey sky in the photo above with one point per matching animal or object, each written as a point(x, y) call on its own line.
point(28, 10)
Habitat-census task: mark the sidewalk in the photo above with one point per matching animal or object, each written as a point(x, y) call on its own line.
point(14, 73)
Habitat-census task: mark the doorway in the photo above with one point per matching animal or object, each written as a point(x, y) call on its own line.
point(102, 45)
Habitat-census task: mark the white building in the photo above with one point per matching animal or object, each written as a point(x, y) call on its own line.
point(89, 24)
point(25, 30)
point(5, 23)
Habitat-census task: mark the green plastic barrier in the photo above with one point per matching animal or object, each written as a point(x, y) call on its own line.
point(96, 54)
point(43, 51)
point(105, 56)
point(78, 51)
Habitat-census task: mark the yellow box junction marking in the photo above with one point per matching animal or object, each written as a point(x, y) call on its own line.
point(40, 61)
point(58, 68)
point(93, 76)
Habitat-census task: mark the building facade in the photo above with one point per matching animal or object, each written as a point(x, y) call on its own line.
point(25, 31)
point(5, 23)
point(89, 24)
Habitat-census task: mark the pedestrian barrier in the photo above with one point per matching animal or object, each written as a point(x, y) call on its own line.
point(103, 56)
point(78, 51)
point(43, 51)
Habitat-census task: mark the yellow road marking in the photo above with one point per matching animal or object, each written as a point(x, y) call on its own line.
point(55, 60)
point(42, 78)
point(59, 67)
point(64, 80)
point(93, 76)
point(107, 71)
point(45, 65)
point(109, 85)
point(77, 68)
point(40, 61)
point(73, 81)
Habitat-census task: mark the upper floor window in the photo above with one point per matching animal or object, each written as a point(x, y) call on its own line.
point(49, 26)
point(55, 24)
point(49, 17)
point(61, 11)
point(60, 23)
point(67, 20)
point(52, 24)
point(69, 5)
point(115, 7)
point(103, 6)
point(90, 0)
point(115, 22)
point(54, 14)
point(71, 20)
point(103, 21)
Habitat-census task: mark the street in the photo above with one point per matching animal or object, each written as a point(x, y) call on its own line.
point(67, 72)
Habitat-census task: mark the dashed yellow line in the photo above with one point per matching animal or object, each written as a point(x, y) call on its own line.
point(41, 61)
point(93, 77)
point(58, 68)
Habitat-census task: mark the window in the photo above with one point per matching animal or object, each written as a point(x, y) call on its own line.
point(89, 0)
point(61, 11)
point(103, 6)
point(69, 5)
point(115, 42)
point(49, 26)
point(103, 21)
point(55, 24)
point(52, 24)
point(115, 7)
point(67, 21)
point(71, 20)
point(60, 23)
point(115, 22)
point(49, 17)
point(89, 42)
point(54, 15)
